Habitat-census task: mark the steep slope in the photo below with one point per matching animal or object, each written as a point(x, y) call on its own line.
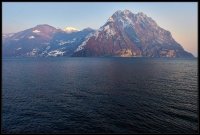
point(128, 34)
point(66, 43)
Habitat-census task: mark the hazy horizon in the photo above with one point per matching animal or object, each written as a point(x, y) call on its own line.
point(180, 18)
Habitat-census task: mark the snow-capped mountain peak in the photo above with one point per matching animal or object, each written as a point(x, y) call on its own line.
point(135, 35)
point(70, 29)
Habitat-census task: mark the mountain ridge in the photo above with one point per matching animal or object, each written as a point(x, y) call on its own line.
point(124, 34)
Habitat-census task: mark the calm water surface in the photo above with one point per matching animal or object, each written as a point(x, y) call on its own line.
point(99, 95)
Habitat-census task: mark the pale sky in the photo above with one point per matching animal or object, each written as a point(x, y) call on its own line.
point(180, 18)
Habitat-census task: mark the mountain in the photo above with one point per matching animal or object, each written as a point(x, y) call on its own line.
point(43, 40)
point(126, 34)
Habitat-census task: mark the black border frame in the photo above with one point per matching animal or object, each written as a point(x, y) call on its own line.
point(5, 1)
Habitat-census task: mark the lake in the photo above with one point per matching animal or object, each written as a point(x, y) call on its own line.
point(99, 95)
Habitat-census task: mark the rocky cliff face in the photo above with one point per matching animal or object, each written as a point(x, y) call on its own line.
point(126, 34)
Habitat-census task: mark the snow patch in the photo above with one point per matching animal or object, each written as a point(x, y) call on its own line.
point(31, 37)
point(106, 27)
point(56, 53)
point(126, 22)
point(126, 12)
point(33, 52)
point(61, 42)
point(36, 31)
point(109, 31)
point(110, 19)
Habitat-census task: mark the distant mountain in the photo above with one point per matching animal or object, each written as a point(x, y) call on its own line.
point(5, 36)
point(43, 40)
point(126, 34)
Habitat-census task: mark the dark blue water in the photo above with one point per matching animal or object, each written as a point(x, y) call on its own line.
point(99, 95)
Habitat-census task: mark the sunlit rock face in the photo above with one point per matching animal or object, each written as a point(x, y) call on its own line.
point(131, 35)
